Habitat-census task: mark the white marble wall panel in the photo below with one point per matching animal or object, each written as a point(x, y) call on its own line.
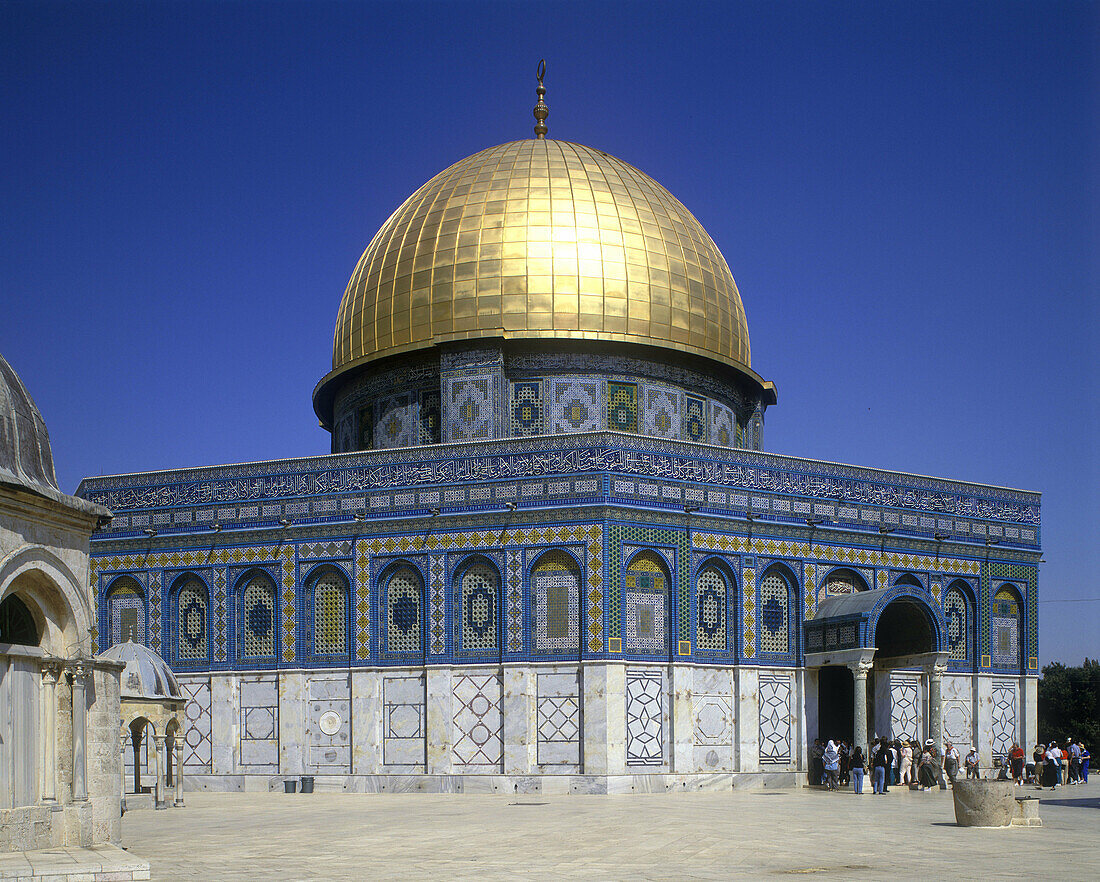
point(197, 740)
point(748, 719)
point(646, 720)
point(478, 744)
point(259, 726)
point(366, 721)
point(404, 722)
point(519, 707)
point(225, 723)
point(558, 718)
point(776, 716)
point(328, 722)
point(713, 720)
point(958, 711)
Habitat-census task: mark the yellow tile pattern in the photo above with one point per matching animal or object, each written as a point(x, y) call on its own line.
point(541, 238)
point(748, 605)
point(833, 555)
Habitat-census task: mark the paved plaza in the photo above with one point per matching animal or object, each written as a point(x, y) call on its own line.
point(772, 833)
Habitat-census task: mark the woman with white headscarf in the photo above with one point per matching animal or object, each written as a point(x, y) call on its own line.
point(831, 760)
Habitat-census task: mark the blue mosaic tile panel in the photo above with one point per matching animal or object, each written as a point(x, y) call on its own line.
point(469, 408)
point(155, 606)
point(221, 620)
point(526, 408)
point(774, 634)
point(403, 611)
point(622, 407)
point(258, 618)
point(478, 598)
point(711, 594)
point(661, 412)
point(645, 605)
point(576, 406)
point(723, 425)
point(192, 620)
point(555, 590)
point(956, 610)
point(437, 621)
point(514, 603)
point(397, 425)
point(695, 419)
point(431, 423)
point(330, 614)
point(126, 604)
point(1005, 625)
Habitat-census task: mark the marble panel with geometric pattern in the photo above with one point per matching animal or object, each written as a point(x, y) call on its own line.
point(404, 729)
point(197, 744)
point(558, 722)
point(1005, 719)
point(776, 734)
point(644, 718)
point(260, 723)
point(478, 744)
point(905, 717)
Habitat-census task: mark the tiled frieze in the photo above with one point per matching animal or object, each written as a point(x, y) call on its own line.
point(733, 480)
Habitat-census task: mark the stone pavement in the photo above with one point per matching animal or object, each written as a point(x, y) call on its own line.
point(100, 863)
point(681, 836)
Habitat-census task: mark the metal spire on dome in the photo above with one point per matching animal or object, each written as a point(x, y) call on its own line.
point(541, 110)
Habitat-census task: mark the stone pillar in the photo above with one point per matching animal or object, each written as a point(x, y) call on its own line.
point(681, 747)
point(935, 703)
point(49, 735)
point(159, 799)
point(519, 700)
point(440, 728)
point(80, 726)
point(748, 719)
point(860, 670)
point(126, 747)
point(177, 767)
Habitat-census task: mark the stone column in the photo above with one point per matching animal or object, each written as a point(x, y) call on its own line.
point(159, 799)
point(178, 768)
point(935, 703)
point(127, 747)
point(49, 735)
point(80, 724)
point(860, 670)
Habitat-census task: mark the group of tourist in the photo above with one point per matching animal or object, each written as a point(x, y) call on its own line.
point(1054, 765)
point(835, 764)
point(900, 762)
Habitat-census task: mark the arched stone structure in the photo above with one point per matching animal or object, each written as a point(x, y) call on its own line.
point(896, 634)
point(60, 780)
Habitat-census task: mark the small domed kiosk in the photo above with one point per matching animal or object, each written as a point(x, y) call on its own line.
point(152, 733)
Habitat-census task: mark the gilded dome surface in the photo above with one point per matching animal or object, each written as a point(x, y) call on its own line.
point(540, 239)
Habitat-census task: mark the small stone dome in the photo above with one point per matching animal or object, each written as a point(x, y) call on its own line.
point(25, 455)
point(147, 675)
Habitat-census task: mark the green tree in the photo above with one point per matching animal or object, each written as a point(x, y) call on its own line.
point(1069, 703)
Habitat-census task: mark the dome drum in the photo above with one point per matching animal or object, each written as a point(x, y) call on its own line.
point(511, 389)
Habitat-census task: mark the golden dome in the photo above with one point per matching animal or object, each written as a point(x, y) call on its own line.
point(541, 239)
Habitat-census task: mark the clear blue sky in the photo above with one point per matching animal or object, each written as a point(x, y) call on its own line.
point(907, 194)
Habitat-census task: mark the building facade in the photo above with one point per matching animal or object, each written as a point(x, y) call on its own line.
point(548, 550)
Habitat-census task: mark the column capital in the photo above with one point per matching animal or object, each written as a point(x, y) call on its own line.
point(51, 673)
point(860, 669)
